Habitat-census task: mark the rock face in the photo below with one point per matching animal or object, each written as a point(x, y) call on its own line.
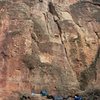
point(49, 44)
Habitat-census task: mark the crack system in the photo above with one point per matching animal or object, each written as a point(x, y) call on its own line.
point(60, 33)
point(54, 13)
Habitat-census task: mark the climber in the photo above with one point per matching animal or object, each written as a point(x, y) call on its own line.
point(44, 93)
point(77, 97)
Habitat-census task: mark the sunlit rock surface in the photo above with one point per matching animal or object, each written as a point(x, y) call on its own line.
point(49, 44)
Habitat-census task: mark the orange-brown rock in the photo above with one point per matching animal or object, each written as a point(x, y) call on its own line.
point(49, 44)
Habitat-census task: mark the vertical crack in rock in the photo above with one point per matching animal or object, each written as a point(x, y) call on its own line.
point(97, 35)
point(53, 11)
point(56, 19)
point(60, 33)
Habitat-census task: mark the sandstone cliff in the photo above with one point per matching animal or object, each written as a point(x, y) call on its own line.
point(49, 44)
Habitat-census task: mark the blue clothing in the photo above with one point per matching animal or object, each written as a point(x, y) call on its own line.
point(44, 93)
point(77, 98)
